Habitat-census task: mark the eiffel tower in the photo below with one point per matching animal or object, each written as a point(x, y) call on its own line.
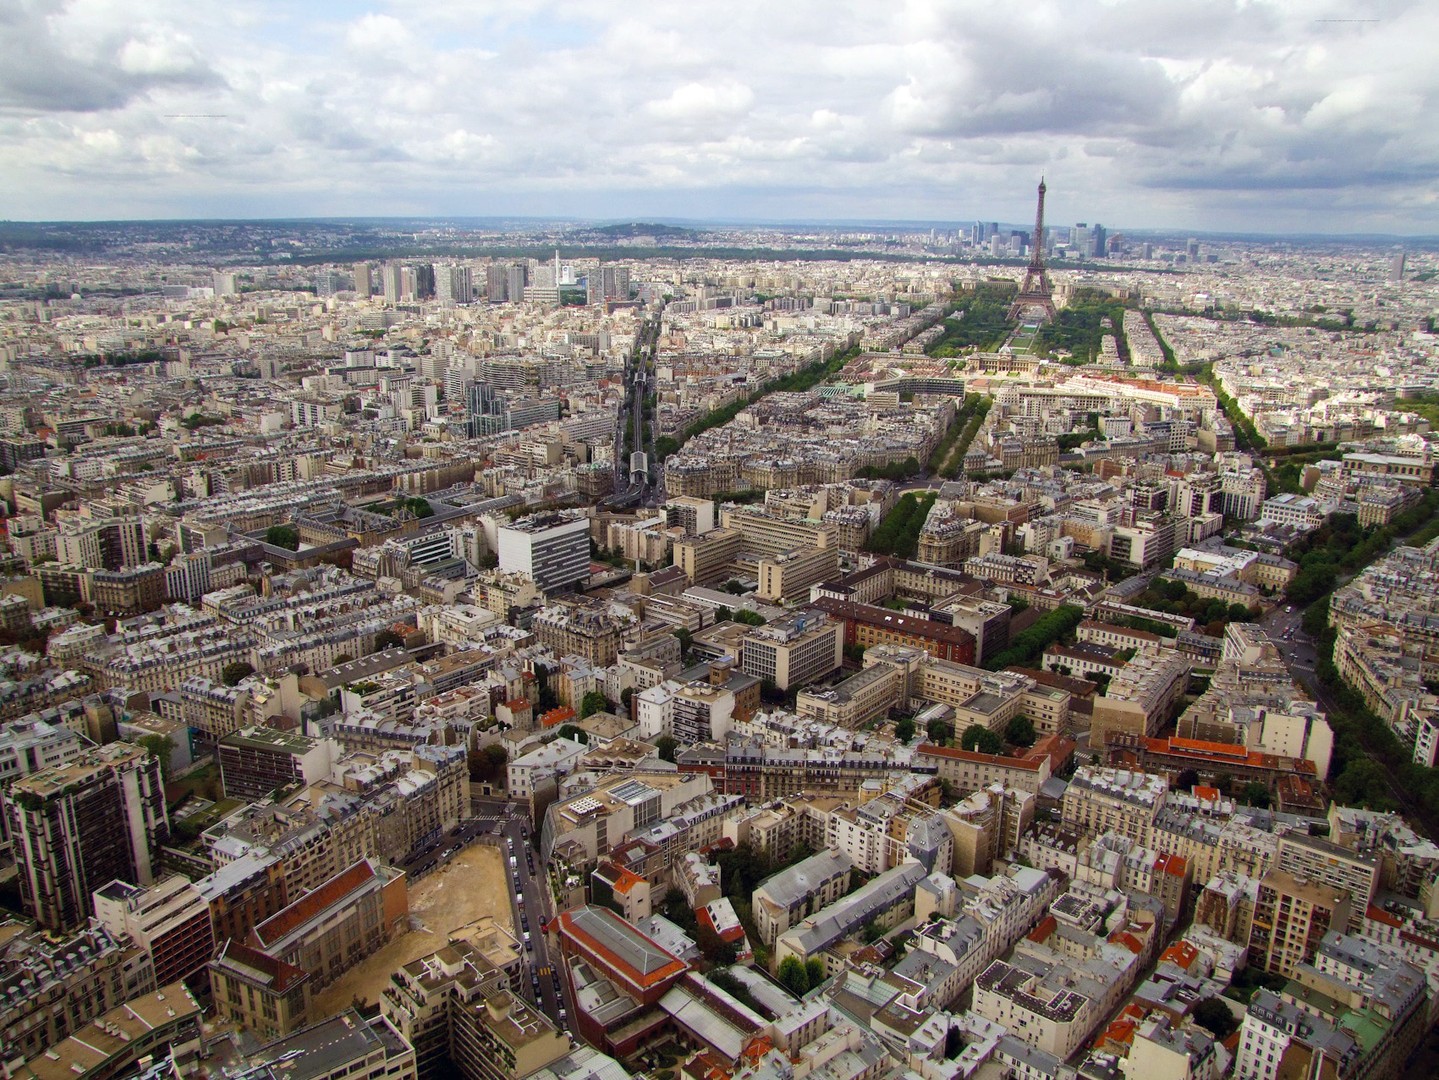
point(1036, 292)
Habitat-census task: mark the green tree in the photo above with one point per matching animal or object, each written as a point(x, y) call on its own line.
point(686, 639)
point(814, 968)
point(939, 731)
point(793, 976)
point(904, 729)
point(1256, 794)
point(159, 746)
point(625, 696)
point(734, 586)
point(666, 746)
point(749, 618)
point(593, 702)
point(388, 639)
point(1214, 1016)
point(1020, 731)
point(579, 735)
point(283, 536)
point(980, 739)
point(488, 763)
point(1186, 779)
point(235, 672)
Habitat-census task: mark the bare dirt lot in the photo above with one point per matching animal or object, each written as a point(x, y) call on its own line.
point(473, 884)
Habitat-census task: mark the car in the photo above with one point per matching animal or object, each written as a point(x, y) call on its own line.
point(519, 898)
point(527, 935)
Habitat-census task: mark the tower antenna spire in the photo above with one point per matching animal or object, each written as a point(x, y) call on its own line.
point(1036, 292)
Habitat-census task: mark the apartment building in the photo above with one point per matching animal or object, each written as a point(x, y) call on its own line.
point(1291, 917)
point(784, 899)
point(1100, 800)
point(969, 771)
point(77, 826)
point(54, 985)
point(1354, 873)
point(257, 992)
point(552, 550)
point(1139, 699)
point(170, 920)
point(258, 761)
point(159, 1025)
point(885, 900)
point(588, 631)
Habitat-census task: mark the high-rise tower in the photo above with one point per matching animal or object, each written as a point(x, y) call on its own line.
point(1036, 292)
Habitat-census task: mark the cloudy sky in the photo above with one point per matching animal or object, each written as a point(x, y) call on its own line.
point(1270, 115)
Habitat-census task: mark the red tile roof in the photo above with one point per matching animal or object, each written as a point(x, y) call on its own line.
point(283, 977)
point(325, 896)
point(980, 759)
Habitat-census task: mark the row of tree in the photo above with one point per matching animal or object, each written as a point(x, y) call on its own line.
point(1026, 647)
point(898, 533)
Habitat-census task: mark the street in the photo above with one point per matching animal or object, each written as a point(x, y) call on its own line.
point(543, 980)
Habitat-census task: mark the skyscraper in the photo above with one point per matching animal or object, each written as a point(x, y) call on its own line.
point(81, 825)
point(1396, 268)
point(362, 279)
point(496, 280)
point(453, 284)
point(517, 277)
point(392, 276)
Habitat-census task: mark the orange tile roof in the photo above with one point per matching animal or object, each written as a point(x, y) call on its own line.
point(1207, 793)
point(1047, 926)
point(557, 716)
point(327, 895)
point(1171, 864)
point(1180, 954)
point(1378, 914)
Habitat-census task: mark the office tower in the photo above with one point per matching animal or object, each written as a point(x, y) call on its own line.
point(225, 284)
point(552, 550)
point(362, 279)
point(1192, 249)
point(1100, 243)
point(453, 284)
point(517, 277)
point(328, 283)
point(609, 283)
point(1396, 268)
point(976, 233)
point(392, 282)
point(1148, 250)
point(424, 282)
point(496, 280)
point(991, 230)
point(484, 410)
point(78, 826)
point(1081, 240)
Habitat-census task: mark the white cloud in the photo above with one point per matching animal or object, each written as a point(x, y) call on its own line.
point(1141, 112)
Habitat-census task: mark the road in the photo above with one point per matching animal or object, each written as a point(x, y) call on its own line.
point(1285, 626)
point(543, 981)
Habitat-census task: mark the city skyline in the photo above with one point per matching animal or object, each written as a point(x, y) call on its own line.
point(1249, 118)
